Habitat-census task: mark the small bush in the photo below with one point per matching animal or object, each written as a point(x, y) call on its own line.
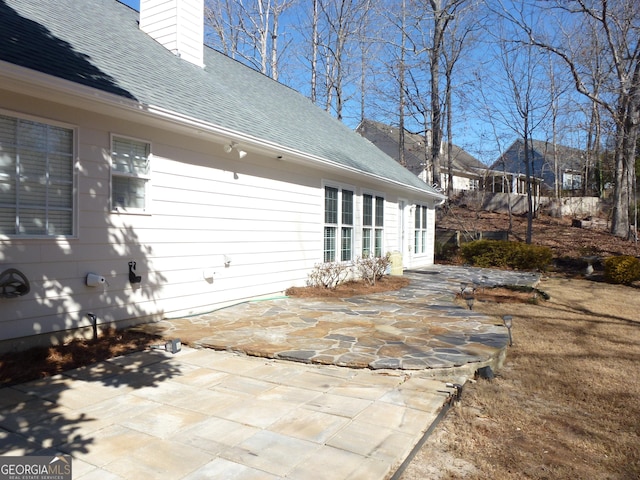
point(623, 269)
point(371, 269)
point(505, 254)
point(328, 275)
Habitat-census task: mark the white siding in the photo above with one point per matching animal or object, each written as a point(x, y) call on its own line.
point(261, 215)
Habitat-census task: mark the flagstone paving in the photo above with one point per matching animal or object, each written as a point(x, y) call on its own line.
point(202, 413)
point(414, 328)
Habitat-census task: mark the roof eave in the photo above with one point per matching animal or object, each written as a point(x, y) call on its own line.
point(33, 83)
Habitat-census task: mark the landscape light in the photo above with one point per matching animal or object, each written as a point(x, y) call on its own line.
point(469, 298)
point(172, 346)
point(508, 322)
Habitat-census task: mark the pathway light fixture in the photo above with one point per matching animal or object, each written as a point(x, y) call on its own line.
point(508, 322)
point(469, 298)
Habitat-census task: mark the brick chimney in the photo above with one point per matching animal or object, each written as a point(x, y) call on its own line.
point(176, 24)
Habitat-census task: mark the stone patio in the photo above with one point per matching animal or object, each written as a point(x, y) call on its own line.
point(414, 328)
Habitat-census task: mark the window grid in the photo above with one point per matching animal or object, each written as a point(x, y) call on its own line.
point(338, 229)
point(130, 174)
point(379, 215)
point(420, 229)
point(372, 225)
point(346, 251)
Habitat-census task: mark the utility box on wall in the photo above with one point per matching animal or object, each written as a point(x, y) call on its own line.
point(396, 263)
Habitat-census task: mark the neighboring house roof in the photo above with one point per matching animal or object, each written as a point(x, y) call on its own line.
point(387, 138)
point(97, 43)
point(542, 153)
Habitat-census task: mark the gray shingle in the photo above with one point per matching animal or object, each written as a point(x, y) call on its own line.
point(98, 43)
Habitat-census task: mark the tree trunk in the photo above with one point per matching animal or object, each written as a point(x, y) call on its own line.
point(314, 53)
point(528, 175)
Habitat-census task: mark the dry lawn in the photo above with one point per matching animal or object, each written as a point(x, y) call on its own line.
point(566, 405)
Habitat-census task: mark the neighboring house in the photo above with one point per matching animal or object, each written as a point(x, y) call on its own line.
point(567, 162)
point(467, 171)
point(144, 178)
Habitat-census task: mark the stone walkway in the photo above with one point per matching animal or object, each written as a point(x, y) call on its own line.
point(414, 328)
point(202, 413)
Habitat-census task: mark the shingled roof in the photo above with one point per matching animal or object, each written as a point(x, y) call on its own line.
point(387, 138)
point(97, 43)
point(541, 152)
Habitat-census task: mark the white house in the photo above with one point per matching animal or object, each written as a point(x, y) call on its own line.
point(144, 176)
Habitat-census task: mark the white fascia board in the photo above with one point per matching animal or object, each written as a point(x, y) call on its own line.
point(289, 154)
point(40, 85)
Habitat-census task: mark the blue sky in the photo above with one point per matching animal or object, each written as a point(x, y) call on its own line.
point(473, 130)
point(132, 3)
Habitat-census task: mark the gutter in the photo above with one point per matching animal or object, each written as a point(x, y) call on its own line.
point(34, 83)
point(280, 150)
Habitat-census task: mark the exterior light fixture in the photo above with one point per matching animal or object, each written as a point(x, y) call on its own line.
point(172, 346)
point(508, 322)
point(231, 146)
point(469, 298)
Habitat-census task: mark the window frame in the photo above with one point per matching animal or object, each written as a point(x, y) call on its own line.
point(147, 177)
point(373, 225)
point(73, 181)
point(339, 225)
point(420, 228)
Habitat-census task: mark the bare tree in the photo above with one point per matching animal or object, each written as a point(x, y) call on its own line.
point(342, 29)
point(441, 13)
point(520, 93)
point(617, 25)
point(249, 31)
point(457, 36)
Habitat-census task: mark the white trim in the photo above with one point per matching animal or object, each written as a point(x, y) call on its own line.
point(340, 187)
point(75, 178)
point(38, 84)
point(148, 178)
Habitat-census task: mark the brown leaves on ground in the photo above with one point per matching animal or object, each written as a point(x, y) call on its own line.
point(564, 240)
point(40, 362)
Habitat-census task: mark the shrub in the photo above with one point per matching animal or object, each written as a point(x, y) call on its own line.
point(505, 254)
point(372, 269)
point(328, 275)
point(623, 269)
point(446, 251)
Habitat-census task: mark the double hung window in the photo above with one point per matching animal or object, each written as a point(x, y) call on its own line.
point(372, 225)
point(130, 174)
point(37, 178)
point(420, 229)
point(338, 224)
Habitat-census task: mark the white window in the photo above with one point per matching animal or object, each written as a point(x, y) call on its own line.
point(37, 178)
point(372, 225)
point(338, 224)
point(130, 174)
point(571, 181)
point(420, 230)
